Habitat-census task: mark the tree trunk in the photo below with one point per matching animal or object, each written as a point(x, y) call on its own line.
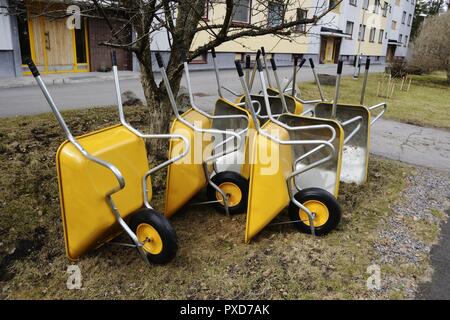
point(158, 103)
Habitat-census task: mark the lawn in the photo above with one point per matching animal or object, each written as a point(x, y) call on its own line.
point(427, 103)
point(212, 262)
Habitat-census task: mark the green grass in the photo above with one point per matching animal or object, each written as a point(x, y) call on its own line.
point(212, 262)
point(427, 103)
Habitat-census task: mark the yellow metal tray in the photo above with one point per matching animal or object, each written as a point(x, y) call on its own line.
point(87, 218)
point(271, 165)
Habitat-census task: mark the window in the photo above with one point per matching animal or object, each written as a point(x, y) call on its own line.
point(403, 17)
point(380, 36)
point(406, 41)
point(366, 4)
point(400, 38)
point(349, 28)
point(205, 11)
point(409, 19)
point(394, 25)
point(376, 6)
point(241, 11)
point(362, 31)
point(301, 14)
point(385, 7)
point(332, 3)
point(372, 34)
point(275, 15)
point(353, 2)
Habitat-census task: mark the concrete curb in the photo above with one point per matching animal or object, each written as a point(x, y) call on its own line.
point(28, 81)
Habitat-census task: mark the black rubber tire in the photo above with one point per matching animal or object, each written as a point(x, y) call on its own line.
point(164, 229)
point(239, 181)
point(334, 210)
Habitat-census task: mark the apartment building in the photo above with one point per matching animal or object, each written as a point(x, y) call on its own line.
point(376, 28)
point(379, 29)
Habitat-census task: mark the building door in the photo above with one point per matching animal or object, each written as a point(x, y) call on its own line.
point(100, 56)
point(329, 51)
point(58, 46)
point(54, 47)
point(390, 52)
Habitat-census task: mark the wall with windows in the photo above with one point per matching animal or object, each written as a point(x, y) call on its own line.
point(402, 13)
point(9, 45)
point(300, 43)
point(377, 17)
point(374, 19)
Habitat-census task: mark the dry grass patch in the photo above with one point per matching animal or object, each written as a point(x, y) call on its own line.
point(212, 262)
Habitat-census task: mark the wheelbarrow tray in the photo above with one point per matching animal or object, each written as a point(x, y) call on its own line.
point(276, 106)
point(237, 161)
point(186, 177)
point(271, 164)
point(326, 175)
point(355, 155)
point(294, 106)
point(87, 217)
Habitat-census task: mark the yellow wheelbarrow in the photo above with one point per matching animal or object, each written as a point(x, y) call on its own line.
point(274, 159)
point(356, 120)
point(104, 187)
point(325, 175)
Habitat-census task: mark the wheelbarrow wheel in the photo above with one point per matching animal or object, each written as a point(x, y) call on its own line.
point(236, 188)
point(156, 233)
point(324, 206)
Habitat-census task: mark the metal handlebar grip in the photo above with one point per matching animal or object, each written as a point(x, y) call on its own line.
point(32, 67)
point(213, 52)
point(339, 68)
point(263, 51)
point(113, 58)
point(311, 63)
point(295, 61)
point(302, 63)
point(159, 60)
point(239, 68)
point(367, 63)
point(274, 65)
point(259, 64)
point(247, 62)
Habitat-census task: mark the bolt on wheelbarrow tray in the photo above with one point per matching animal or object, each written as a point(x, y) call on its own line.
point(86, 215)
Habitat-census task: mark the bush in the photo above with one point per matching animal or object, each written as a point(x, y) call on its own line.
point(411, 69)
point(398, 68)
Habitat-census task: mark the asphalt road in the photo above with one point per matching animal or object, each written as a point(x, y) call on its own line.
point(29, 99)
point(439, 287)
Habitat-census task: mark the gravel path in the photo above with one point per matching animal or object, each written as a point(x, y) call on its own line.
point(426, 198)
